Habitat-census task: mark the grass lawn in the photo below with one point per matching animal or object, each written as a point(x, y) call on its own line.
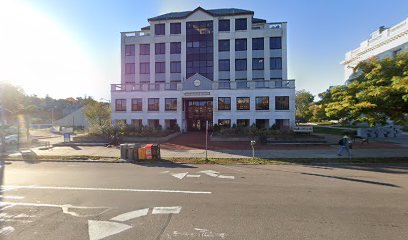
point(328, 130)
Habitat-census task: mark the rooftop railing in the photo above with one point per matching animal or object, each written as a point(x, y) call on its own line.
point(135, 34)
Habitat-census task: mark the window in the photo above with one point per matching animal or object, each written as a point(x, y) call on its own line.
point(130, 68)
point(275, 43)
point(224, 45)
point(262, 123)
point(144, 68)
point(243, 122)
point(120, 121)
point(171, 104)
point(243, 103)
point(241, 44)
point(175, 28)
point(224, 65)
point(282, 103)
point(257, 64)
point(120, 105)
point(130, 50)
point(175, 67)
point(257, 44)
point(136, 104)
point(282, 123)
point(175, 47)
point(159, 29)
point(170, 123)
point(262, 103)
point(137, 123)
point(240, 24)
point(276, 63)
point(240, 64)
point(224, 123)
point(160, 67)
point(153, 104)
point(160, 48)
point(224, 103)
point(224, 25)
point(144, 49)
point(153, 123)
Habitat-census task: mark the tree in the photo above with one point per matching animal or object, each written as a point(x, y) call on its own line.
point(99, 117)
point(304, 101)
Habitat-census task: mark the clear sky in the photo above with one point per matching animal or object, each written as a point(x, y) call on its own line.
point(72, 48)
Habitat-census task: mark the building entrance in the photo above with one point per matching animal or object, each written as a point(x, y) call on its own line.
point(198, 111)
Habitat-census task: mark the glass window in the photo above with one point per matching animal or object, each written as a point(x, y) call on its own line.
point(243, 103)
point(136, 104)
point(282, 123)
point(262, 123)
point(262, 103)
point(130, 68)
point(257, 44)
point(224, 65)
point(224, 103)
point(160, 48)
point(224, 123)
point(175, 47)
point(282, 103)
point(137, 123)
point(153, 104)
point(257, 64)
point(275, 43)
point(175, 28)
point(240, 24)
point(224, 45)
point(120, 105)
point(276, 63)
point(130, 50)
point(144, 68)
point(241, 44)
point(171, 104)
point(144, 49)
point(175, 67)
point(243, 122)
point(240, 64)
point(159, 29)
point(153, 123)
point(160, 67)
point(224, 25)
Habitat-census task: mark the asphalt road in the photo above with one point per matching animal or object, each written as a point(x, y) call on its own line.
point(127, 201)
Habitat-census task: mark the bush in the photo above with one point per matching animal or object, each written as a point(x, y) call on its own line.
point(216, 128)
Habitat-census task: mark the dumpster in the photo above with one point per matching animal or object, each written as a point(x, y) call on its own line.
point(141, 152)
point(156, 151)
point(123, 151)
point(135, 151)
point(148, 148)
point(131, 152)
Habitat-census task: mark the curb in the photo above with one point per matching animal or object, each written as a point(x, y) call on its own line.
point(62, 161)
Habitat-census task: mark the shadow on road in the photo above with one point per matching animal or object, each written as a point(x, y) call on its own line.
point(163, 164)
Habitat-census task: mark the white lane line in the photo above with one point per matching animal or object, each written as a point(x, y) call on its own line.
point(209, 171)
point(109, 189)
point(166, 210)
point(101, 229)
point(130, 215)
point(211, 174)
point(228, 177)
point(165, 172)
point(11, 197)
point(194, 176)
point(179, 175)
point(6, 230)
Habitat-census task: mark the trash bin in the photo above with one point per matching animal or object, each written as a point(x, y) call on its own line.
point(156, 151)
point(136, 152)
point(131, 152)
point(123, 151)
point(141, 153)
point(148, 148)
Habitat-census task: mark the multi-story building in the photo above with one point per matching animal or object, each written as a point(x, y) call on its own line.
point(222, 65)
point(385, 42)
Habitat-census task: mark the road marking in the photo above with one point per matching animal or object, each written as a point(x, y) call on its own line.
point(165, 172)
point(194, 176)
point(108, 189)
point(212, 174)
point(7, 230)
point(130, 215)
point(199, 233)
point(101, 229)
point(228, 177)
point(179, 175)
point(11, 197)
point(166, 210)
point(209, 171)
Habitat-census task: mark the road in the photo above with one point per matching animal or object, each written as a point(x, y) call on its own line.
point(169, 201)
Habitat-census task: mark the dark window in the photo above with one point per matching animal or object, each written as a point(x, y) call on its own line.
point(262, 103)
point(144, 49)
point(240, 64)
point(257, 44)
point(130, 68)
point(241, 44)
point(175, 47)
point(175, 67)
point(224, 123)
point(175, 28)
point(276, 63)
point(160, 67)
point(171, 104)
point(160, 48)
point(282, 123)
point(243, 103)
point(282, 103)
point(275, 43)
point(257, 64)
point(159, 29)
point(243, 122)
point(130, 50)
point(153, 104)
point(137, 123)
point(262, 123)
point(224, 25)
point(224, 65)
point(120, 121)
point(120, 105)
point(240, 24)
point(224, 103)
point(144, 68)
point(136, 104)
point(224, 45)
point(153, 123)
point(171, 123)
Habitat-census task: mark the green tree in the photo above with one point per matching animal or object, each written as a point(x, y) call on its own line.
point(304, 101)
point(99, 117)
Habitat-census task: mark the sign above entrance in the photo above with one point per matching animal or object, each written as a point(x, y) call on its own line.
point(197, 94)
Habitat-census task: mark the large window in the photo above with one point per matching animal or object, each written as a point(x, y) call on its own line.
point(275, 43)
point(160, 48)
point(130, 50)
point(130, 68)
point(175, 67)
point(257, 64)
point(171, 104)
point(153, 123)
point(262, 123)
point(282, 103)
point(175, 47)
point(257, 44)
point(282, 123)
point(224, 45)
point(144, 49)
point(243, 103)
point(276, 63)
point(175, 28)
point(224, 123)
point(153, 104)
point(241, 44)
point(137, 123)
point(159, 29)
point(262, 103)
point(240, 24)
point(224, 65)
point(224, 103)
point(120, 105)
point(243, 122)
point(136, 104)
point(224, 25)
point(240, 64)
point(144, 68)
point(160, 67)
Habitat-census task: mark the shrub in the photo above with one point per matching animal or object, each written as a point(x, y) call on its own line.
point(216, 128)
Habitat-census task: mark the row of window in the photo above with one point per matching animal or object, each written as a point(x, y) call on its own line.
point(152, 104)
point(223, 46)
point(160, 67)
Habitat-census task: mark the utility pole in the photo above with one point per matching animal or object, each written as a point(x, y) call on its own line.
point(206, 139)
point(2, 122)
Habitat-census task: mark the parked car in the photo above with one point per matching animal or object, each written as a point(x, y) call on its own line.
point(11, 139)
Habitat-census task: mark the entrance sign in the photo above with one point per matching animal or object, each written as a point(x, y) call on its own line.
point(197, 94)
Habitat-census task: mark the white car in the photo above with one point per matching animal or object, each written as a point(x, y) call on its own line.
point(11, 139)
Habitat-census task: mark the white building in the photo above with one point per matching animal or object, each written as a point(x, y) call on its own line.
point(385, 42)
point(220, 65)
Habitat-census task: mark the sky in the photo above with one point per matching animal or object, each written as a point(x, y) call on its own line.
point(72, 48)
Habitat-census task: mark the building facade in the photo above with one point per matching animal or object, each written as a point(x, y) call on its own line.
point(383, 43)
point(222, 65)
